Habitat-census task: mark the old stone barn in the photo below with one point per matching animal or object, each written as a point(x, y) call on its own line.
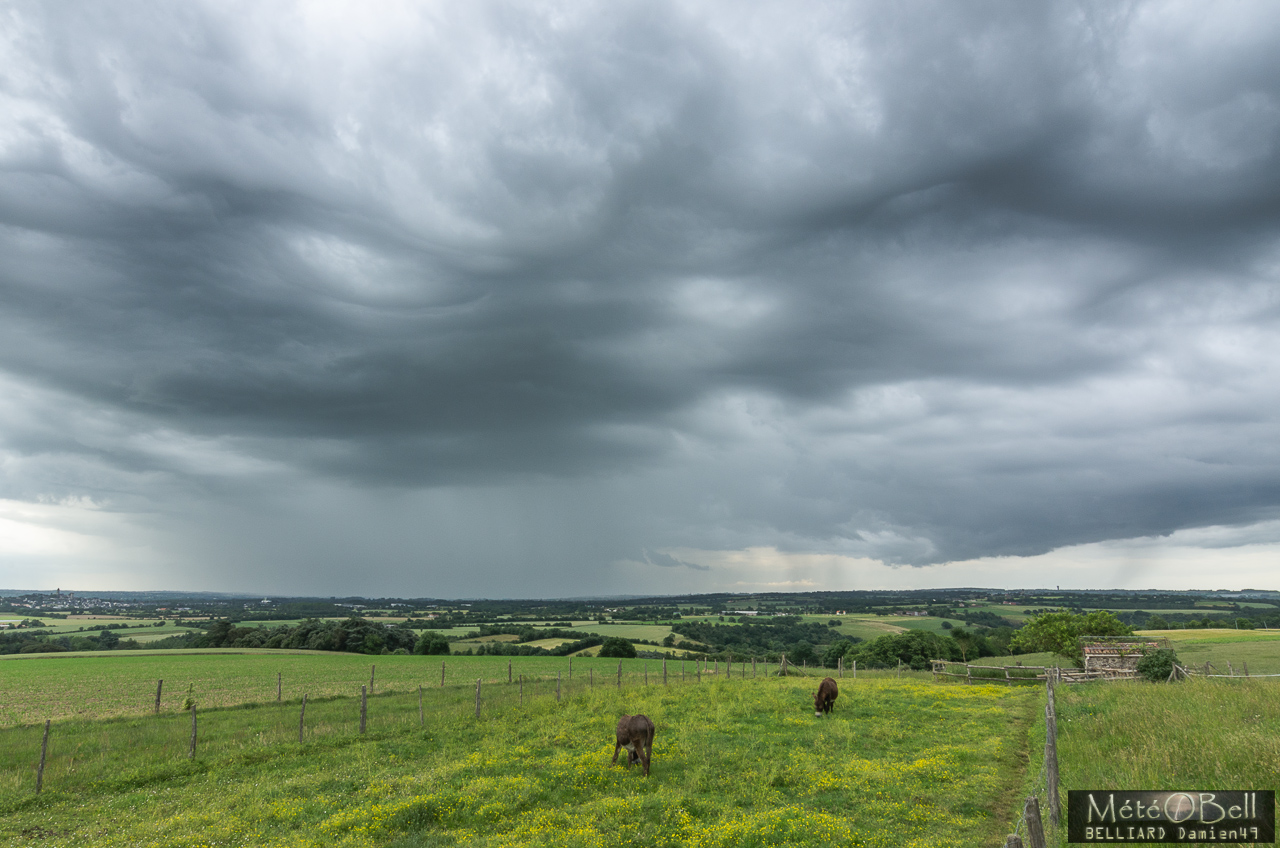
point(1117, 655)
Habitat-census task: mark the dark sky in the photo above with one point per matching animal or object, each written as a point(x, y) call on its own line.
point(517, 299)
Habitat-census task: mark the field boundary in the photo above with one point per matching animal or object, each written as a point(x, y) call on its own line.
point(1016, 673)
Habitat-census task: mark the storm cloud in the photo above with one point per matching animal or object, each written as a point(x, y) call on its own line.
point(521, 299)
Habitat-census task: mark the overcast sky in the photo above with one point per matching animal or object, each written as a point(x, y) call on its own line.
point(518, 299)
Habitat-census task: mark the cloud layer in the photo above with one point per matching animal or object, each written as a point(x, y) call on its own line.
point(508, 298)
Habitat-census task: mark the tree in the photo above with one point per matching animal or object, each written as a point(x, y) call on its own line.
point(617, 647)
point(1060, 633)
point(1156, 622)
point(802, 653)
point(964, 641)
point(431, 644)
point(835, 651)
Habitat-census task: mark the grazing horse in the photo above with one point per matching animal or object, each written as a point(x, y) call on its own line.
point(635, 733)
point(825, 699)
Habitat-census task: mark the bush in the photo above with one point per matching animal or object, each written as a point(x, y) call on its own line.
point(617, 647)
point(431, 643)
point(1157, 665)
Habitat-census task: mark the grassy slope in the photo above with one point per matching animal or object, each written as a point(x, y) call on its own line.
point(1195, 734)
point(123, 683)
point(1259, 648)
point(900, 763)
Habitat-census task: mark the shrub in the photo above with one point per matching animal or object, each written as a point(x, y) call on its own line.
point(431, 643)
point(617, 647)
point(1157, 665)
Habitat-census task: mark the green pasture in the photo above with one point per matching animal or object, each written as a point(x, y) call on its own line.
point(735, 762)
point(153, 633)
point(1225, 649)
point(1015, 612)
point(926, 622)
point(75, 625)
point(653, 632)
point(1194, 734)
point(123, 683)
point(867, 628)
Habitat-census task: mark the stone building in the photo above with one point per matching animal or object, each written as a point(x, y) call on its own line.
point(1118, 655)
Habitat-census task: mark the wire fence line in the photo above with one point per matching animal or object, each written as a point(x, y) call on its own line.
point(79, 751)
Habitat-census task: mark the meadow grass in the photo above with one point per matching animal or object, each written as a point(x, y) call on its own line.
point(867, 628)
point(1259, 648)
point(900, 762)
point(123, 683)
point(1195, 734)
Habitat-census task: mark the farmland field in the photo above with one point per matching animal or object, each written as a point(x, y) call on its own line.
point(867, 628)
point(1259, 648)
point(652, 632)
point(57, 686)
point(925, 622)
point(736, 762)
point(1210, 734)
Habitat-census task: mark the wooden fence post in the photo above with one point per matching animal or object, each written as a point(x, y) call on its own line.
point(44, 750)
point(477, 697)
point(753, 666)
point(192, 752)
point(508, 671)
point(664, 671)
point(371, 673)
point(646, 672)
point(1246, 667)
point(619, 674)
point(442, 674)
point(840, 668)
point(364, 706)
point(422, 719)
point(159, 686)
point(571, 668)
point(591, 677)
point(728, 666)
point(855, 669)
point(302, 717)
point(1035, 828)
point(1013, 840)
point(279, 685)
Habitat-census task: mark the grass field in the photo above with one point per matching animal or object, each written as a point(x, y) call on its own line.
point(59, 686)
point(736, 762)
point(867, 628)
point(1195, 734)
point(1260, 649)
